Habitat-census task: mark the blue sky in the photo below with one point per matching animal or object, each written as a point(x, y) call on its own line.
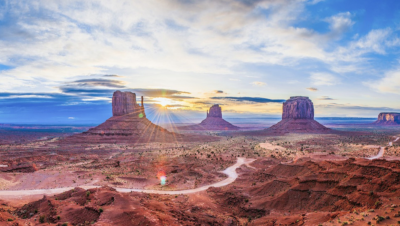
point(60, 61)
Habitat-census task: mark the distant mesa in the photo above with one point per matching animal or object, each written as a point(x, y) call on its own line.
point(388, 118)
point(130, 125)
point(298, 117)
point(213, 121)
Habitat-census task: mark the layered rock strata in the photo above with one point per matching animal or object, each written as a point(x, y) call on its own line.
point(388, 118)
point(298, 116)
point(213, 121)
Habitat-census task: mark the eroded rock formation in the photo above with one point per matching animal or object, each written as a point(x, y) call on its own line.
point(23, 167)
point(298, 116)
point(124, 103)
point(388, 118)
point(298, 108)
point(215, 111)
point(213, 121)
point(129, 125)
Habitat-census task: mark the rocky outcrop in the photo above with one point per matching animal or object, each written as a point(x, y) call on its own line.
point(23, 167)
point(128, 119)
point(124, 103)
point(298, 117)
point(298, 108)
point(215, 111)
point(388, 118)
point(213, 121)
point(129, 125)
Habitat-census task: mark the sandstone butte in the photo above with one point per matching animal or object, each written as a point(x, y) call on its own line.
point(130, 125)
point(298, 117)
point(388, 118)
point(213, 121)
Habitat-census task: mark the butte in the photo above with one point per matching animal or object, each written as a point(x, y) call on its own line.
point(388, 118)
point(298, 117)
point(213, 121)
point(130, 125)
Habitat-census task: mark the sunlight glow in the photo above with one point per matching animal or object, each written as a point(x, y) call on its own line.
point(163, 101)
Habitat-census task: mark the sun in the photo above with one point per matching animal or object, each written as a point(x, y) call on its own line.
point(163, 101)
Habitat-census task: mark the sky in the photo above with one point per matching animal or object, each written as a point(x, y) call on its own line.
point(61, 60)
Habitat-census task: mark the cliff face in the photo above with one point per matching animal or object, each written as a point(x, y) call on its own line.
point(215, 111)
point(298, 117)
point(388, 118)
point(298, 108)
point(124, 103)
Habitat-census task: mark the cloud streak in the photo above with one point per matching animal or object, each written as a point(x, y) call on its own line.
point(249, 99)
point(312, 89)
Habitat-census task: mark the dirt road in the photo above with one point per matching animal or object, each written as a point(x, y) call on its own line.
point(230, 171)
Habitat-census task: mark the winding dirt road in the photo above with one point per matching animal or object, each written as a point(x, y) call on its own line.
point(230, 171)
point(382, 150)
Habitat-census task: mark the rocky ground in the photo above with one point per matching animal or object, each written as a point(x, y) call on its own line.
point(297, 179)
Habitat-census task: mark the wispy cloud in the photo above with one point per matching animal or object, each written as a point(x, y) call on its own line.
point(85, 50)
point(249, 99)
point(356, 107)
point(339, 23)
point(389, 83)
point(259, 83)
point(325, 98)
point(322, 78)
point(60, 38)
point(98, 82)
point(160, 92)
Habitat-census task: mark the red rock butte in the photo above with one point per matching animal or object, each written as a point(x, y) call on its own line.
point(130, 125)
point(213, 121)
point(388, 118)
point(298, 117)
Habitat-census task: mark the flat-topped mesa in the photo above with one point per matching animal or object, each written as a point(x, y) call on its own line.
point(298, 108)
point(124, 103)
point(215, 111)
point(388, 118)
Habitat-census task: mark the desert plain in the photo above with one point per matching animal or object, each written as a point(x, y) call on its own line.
point(292, 179)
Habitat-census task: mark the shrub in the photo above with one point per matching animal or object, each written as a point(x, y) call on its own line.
point(42, 218)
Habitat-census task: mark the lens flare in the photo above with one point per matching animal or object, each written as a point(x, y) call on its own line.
point(163, 178)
